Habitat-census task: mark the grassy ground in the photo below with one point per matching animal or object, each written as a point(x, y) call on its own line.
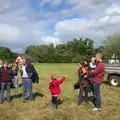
point(68, 110)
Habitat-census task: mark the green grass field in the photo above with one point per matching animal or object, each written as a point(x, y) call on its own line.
point(68, 110)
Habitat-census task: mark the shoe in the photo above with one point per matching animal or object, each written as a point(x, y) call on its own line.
point(51, 105)
point(97, 109)
point(54, 107)
point(24, 101)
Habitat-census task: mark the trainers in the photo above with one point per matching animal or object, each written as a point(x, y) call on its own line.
point(51, 105)
point(97, 109)
point(54, 107)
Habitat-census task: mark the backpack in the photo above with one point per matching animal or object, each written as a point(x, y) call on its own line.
point(31, 71)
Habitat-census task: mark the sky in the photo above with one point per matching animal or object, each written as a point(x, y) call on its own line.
point(35, 22)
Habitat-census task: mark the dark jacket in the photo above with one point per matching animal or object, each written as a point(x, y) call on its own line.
point(32, 73)
point(6, 74)
point(99, 72)
point(14, 70)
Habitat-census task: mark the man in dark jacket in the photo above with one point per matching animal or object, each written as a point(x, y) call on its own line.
point(97, 78)
point(27, 74)
point(6, 81)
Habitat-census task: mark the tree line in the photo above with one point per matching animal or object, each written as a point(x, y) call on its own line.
point(71, 52)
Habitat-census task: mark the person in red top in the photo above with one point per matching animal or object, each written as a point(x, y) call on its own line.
point(97, 79)
point(55, 90)
point(6, 81)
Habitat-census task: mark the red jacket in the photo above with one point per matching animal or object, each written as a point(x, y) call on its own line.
point(55, 86)
point(6, 74)
point(99, 72)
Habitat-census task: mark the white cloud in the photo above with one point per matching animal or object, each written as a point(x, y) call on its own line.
point(20, 26)
point(56, 2)
point(8, 33)
point(50, 39)
point(94, 28)
point(52, 2)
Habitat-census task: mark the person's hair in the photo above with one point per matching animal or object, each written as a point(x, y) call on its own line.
point(1, 62)
point(5, 62)
point(53, 76)
point(99, 55)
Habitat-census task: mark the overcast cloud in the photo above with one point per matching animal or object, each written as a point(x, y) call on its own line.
point(34, 22)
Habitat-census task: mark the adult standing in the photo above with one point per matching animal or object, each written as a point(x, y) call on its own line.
point(26, 72)
point(15, 70)
point(97, 78)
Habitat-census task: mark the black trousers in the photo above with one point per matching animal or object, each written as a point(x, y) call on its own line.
point(54, 100)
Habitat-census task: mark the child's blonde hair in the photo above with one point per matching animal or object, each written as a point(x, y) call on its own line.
point(53, 76)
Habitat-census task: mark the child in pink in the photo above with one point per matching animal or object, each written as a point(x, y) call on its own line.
point(55, 89)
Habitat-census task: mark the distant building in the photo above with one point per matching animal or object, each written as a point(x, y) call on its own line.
point(19, 59)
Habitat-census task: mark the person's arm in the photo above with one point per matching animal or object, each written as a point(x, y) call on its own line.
point(97, 70)
point(62, 80)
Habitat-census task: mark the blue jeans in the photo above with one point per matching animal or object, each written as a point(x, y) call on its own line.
point(15, 81)
point(80, 96)
point(27, 85)
point(7, 91)
point(97, 97)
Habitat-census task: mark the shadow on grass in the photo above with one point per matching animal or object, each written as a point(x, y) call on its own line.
point(60, 102)
point(106, 82)
point(35, 95)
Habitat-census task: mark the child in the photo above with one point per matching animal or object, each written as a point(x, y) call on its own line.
point(6, 80)
point(55, 89)
point(15, 69)
point(92, 64)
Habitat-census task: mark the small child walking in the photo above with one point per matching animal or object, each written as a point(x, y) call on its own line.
point(55, 90)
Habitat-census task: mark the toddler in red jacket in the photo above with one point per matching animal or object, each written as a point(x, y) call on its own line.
point(55, 89)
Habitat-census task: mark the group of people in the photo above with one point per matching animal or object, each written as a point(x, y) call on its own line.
point(9, 77)
point(90, 77)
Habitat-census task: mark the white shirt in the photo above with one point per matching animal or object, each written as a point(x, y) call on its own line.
point(25, 75)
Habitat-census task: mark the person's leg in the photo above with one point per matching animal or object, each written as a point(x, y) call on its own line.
point(29, 87)
point(2, 92)
point(80, 96)
point(96, 87)
point(54, 102)
point(24, 89)
point(51, 105)
point(16, 81)
point(8, 91)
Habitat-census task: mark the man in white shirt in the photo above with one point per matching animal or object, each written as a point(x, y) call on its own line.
point(26, 81)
